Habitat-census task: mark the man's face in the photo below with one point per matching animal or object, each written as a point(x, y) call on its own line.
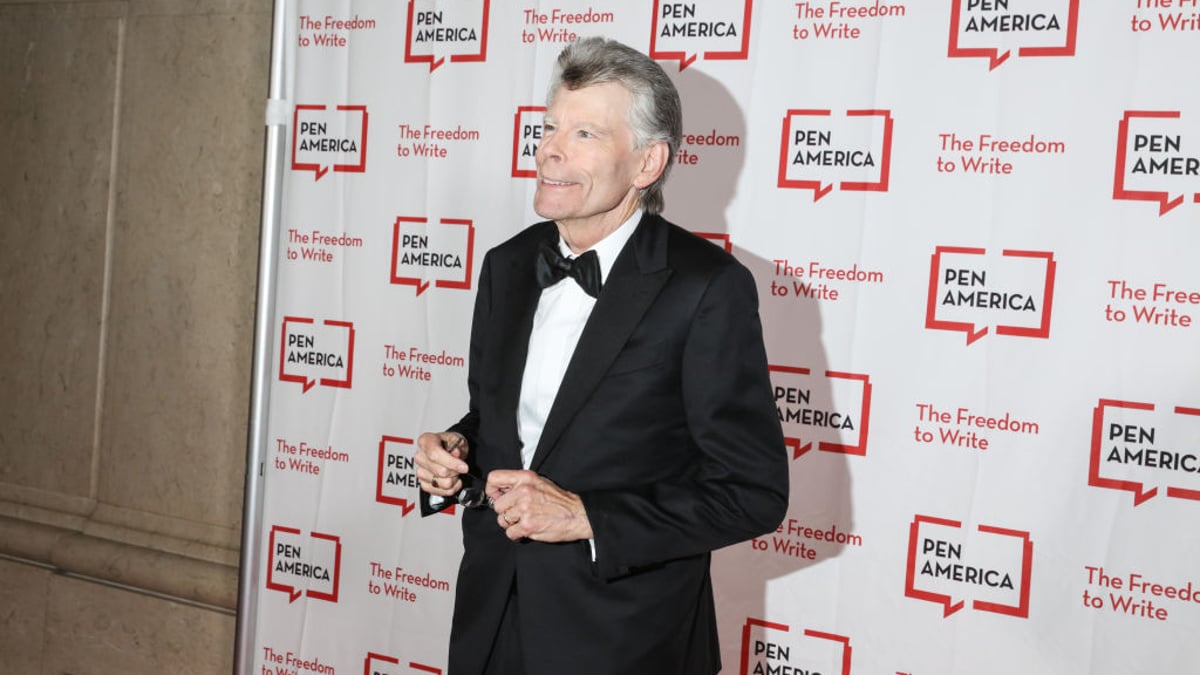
point(588, 170)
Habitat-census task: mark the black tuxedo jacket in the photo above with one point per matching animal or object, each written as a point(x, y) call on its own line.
point(666, 427)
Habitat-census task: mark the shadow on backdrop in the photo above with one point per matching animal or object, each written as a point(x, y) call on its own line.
point(699, 197)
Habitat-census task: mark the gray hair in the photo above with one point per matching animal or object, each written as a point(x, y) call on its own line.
point(655, 113)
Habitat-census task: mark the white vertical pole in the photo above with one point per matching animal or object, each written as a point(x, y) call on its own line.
point(256, 444)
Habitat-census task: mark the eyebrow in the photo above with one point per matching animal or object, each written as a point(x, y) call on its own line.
point(593, 127)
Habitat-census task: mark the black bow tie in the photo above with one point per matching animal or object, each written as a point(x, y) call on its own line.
point(552, 266)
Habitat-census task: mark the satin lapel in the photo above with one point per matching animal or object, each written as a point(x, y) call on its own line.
point(635, 280)
point(512, 327)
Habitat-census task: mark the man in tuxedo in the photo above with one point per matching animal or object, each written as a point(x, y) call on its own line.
point(620, 407)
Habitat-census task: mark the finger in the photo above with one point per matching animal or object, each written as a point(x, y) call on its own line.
point(441, 451)
point(442, 485)
point(429, 483)
point(441, 442)
point(513, 525)
point(450, 491)
point(454, 443)
point(502, 481)
point(428, 449)
point(499, 482)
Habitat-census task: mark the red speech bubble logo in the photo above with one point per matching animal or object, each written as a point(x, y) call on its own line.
point(395, 476)
point(304, 566)
point(719, 238)
point(1135, 446)
point(421, 253)
point(991, 29)
point(1155, 159)
point(962, 299)
point(324, 139)
point(380, 664)
point(769, 647)
point(438, 29)
point(310, 354)
point(527, 134)
point(833, 413)
point(944, 563)
point(681, 31)
point(818, 150)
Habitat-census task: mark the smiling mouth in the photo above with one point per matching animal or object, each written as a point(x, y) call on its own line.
point(556, 183)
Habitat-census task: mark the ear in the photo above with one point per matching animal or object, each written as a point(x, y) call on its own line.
point(654, 162)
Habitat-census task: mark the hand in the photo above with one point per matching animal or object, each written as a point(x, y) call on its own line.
point(529, 506)
point(441, 460)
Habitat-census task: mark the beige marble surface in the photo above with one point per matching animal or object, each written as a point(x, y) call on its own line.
point(52, 624)
point(129, 205)
point(184, 262)
point(57, 90)
point(93, 629)
point(24, 591)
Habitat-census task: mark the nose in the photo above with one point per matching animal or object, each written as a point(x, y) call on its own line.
point(548, 148)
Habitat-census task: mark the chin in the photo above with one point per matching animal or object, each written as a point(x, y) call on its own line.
point(549, 211)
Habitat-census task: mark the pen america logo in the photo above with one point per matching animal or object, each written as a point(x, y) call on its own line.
point(951, 565)
point(381, 664)
point(992, 29)
point(681, 31)
point(1152, 164)
point(973, 292)
point(312, 353)
point(425, 255)
point(527, 134)
point(820, 149)
point(439, 30)
point(301, 565)
point(396, 478)
point(772, 648)
point(829, 412)
point(1144, 449)
point(324, 139)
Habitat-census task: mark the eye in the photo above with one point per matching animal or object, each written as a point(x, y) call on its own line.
point(584, 133)
point(547, 128)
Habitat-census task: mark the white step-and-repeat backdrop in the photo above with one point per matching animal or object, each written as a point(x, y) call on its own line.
point(975, 226)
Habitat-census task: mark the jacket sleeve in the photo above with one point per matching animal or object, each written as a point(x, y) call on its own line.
point(468, 425)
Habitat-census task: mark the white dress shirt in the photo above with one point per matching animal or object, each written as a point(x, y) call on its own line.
point(562, 311)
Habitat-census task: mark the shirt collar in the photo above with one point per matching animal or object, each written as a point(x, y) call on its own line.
point(608, 248)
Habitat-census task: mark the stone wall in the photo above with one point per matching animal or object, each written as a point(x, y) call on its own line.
point(129, 207)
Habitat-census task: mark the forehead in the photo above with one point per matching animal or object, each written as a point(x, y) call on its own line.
point(606, 103)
